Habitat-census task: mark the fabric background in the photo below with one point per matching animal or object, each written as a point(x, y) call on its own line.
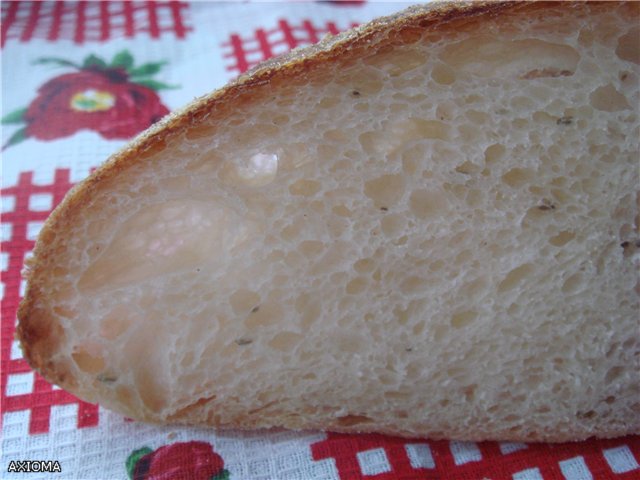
point(196, 47)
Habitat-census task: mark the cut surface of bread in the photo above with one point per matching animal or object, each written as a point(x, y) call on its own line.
point(427, 227)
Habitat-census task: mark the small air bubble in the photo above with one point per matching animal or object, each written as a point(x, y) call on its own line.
point(613, 374)
point(462, 319)
point(494, 153)
point(304, 187)
point(515, 277)
point(355, 286)
point(286, 341)
point(426, 204)
point(516, 177)
point(561, 238)
point(244, 300)
point(364, 265)
point(351, 420)
point(572, 284)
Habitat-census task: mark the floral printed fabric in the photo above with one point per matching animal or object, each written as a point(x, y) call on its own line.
point(117, 100)
point(81, 78)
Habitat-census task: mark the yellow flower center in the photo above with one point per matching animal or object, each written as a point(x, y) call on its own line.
point(92, 101)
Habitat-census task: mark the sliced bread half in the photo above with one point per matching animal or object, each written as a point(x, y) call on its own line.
point(427, 226)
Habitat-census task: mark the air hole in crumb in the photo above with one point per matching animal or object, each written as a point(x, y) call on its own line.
point(106, 378)
point(513, 309)
point(470, 392)
point(463, 257)
point(364, 265)
point(351, 420)
point(393, 224)
point(628, 47)
point(613, 374)
point(355, 286)
point(516, 177)
point(443, 74)
point(116, 322)
point(401, 241)
point(586, 415)
point(304, 187)
point(515, 277)
point(385, 190)
point(467, 168)
point(545, 207)
point(285, 341)
point(329, 102)
point(608, 99)
point(243, 301)
point(268, 314)
point(311, 248)
point(572, 283)
point(419, 327)
point(70, 312)
point(462, 319)
point(494, 153)
point(89, 362)
point(511, 418)
point(426, 204)
point(562, 238)
point(413, 284)
point(280, 119)
point(401, 315)
point(396, 395)
point(341, 211)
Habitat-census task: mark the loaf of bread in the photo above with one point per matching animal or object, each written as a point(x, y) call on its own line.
point(427, 226)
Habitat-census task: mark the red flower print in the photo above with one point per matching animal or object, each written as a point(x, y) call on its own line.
point(116, 100)
point(98, 100)
point(179, 461)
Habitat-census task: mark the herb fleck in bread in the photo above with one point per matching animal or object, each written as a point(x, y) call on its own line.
point(427, 226)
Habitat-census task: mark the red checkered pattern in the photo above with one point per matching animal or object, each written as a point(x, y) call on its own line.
point(25, 207)
point(378, 457)
point(91, 21)
point(266, 43)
